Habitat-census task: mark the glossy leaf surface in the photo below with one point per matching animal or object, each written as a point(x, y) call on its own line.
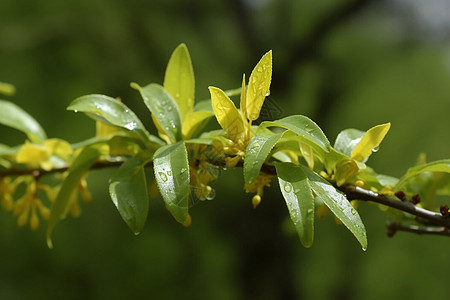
point(257, 151)
point(347, 140)
point(296, 190)
point(339, 205)
point(111, 112)
point(171, 169)
point(163, 108)
point(15, 117)
point(227, 114)
point(303, 127)
point(258, 86)
point(128, 191)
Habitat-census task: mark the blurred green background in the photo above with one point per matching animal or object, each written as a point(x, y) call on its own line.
point(342, 63)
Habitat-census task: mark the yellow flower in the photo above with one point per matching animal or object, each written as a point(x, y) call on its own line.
point(40, 156)
point(30, 203)
point(35, 156)
point(261, 181)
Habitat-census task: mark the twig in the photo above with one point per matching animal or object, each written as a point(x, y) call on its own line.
point(432, 218)
point(394, 227)
point(352, 192)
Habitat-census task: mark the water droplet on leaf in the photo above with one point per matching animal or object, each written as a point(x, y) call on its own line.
point(375, 149)
point(163, 176)
point(353, 211)
point(183, 170)
point(287, 187)
point(211, 194)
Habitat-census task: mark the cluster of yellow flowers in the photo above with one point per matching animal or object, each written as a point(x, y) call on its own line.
point(26, 196)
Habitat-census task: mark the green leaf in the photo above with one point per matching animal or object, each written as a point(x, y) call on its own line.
point(13, 116)
point(442, 166)
point(111, 112)
point(179, 80)
point(163, 108)
point(257, 151)
point(347, 140)
point(339, 205)
point(296, 190)
point(171, 169)
point(304, 128)
point(77, 170)
point(128, 191)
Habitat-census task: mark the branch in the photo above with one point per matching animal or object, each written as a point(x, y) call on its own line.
point(394, 227)
point(429, 217)
point(352, 192)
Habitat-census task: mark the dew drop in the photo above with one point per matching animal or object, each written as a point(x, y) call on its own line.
point(296, 191)
point(126, 110)
point(287, 187)
point(183, 170)
point(353, 211)
point(211, 194)
point(76, 110)
point(146, 98)
point(169, 108)
point(310, 211)
point(130, 126)
point(169, 173)
point(163, 176)
point(97, 106)
point(375, 149)
point(364, 249)
point(267, 94)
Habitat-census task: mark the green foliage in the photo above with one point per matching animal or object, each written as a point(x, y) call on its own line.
point(185, 158)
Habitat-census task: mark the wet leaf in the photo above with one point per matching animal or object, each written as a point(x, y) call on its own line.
point(304, 128)
point(128, 191)
point(347, 140)
point(258, 86)
point(227, 114)
point(163, 108)
point(171, 169)
point(257, 151)
point(370, 141)
point(296, 190)
point(111, 112)
point(339, 205)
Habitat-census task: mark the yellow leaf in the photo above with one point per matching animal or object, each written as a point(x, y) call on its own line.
point(179, 80)
point(227, 115)
point(161, 132)
point(243, 106)
point(258, 86)
point(345, 169)
point(308, 154)
point(370, 141)
point(192, 121)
